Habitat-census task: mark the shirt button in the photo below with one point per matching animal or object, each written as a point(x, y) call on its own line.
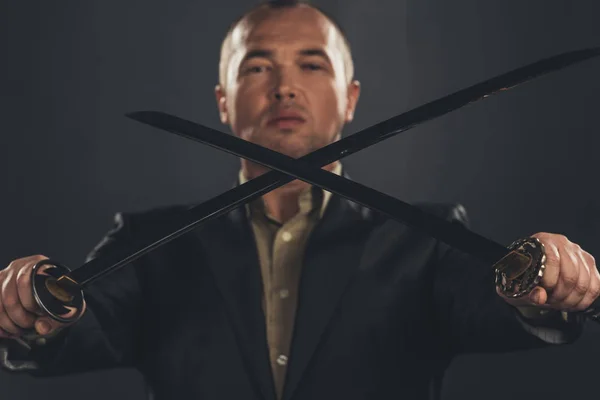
point(284, 293)
point(286, 236)
point(282, 360)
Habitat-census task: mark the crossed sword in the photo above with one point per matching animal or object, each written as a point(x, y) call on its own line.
point(518, 267)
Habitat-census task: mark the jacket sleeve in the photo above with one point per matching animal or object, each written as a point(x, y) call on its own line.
point(105, 336)
point(472, 317)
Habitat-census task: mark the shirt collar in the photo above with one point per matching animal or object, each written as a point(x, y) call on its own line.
point(326, 194)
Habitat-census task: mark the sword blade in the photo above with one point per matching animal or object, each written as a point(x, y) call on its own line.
point(452, 234)
point(255, 188)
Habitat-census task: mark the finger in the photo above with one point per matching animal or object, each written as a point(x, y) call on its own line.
point(594, 285)
point(567, 270)
point(591, 262)
point(46, 326)
point(19, 263)
point(552, 271)
point(529, 300)
point(6, 335)
point(574, 279)
point(25, 291)
point(6, 323)
point(13, 308)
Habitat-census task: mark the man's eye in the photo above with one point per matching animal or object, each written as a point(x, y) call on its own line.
point(312, 67)
point(256, 69)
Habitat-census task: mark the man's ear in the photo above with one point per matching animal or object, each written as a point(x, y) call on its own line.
point(222, 104)
point(353, 95)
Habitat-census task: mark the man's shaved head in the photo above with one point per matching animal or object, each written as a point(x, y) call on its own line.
point(286, 80)
point(256, 14)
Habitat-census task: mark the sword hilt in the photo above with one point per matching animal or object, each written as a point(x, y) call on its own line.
point(55, 293)
point(521, 270)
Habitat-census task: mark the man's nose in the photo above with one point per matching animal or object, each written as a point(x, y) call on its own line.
point(284, 89)
point(284, 94)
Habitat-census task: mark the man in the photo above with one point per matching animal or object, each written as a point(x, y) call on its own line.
point(301, 294)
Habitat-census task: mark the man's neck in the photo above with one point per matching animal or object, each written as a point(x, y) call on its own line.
point(282, 204)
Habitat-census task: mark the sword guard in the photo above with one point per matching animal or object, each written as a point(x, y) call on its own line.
point(521, 270)
point(54, 293)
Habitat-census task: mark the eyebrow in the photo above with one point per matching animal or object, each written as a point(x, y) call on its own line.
point(263, 53)
point(314, 52)
point(257, 53)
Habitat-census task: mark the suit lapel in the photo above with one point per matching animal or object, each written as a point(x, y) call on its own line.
point(331, 259)
point(236, 269)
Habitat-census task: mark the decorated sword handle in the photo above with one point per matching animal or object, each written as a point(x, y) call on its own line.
point(521, 270)
point(57, 296)
point(54, 293)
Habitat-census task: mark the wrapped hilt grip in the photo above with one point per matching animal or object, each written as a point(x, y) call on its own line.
point(54, 293)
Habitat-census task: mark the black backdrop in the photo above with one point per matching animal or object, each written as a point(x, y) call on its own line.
point(521, 162)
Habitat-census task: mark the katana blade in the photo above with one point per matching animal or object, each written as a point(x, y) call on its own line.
point(255, 188)
point(437, 227)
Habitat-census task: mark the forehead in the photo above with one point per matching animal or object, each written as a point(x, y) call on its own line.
point(292, 27)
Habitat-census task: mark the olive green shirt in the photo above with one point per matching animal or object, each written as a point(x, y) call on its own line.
point(281, 252)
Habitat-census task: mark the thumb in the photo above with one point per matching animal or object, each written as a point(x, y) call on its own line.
point(538, 296)
point(46, 326)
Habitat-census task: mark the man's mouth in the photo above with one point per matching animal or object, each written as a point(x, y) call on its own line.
point(286, 122)
point(286, 119)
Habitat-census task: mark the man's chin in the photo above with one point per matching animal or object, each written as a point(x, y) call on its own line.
point(295, 151)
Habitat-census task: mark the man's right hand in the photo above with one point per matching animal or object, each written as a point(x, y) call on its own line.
point(19, 312)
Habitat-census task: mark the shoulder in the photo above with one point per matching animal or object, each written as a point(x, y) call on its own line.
point(147, 219)
point(454, 212)
point(130, 226)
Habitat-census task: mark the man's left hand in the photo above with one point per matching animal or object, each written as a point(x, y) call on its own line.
point(570, 282)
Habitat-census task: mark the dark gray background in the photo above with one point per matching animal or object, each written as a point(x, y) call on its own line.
point(521, 162)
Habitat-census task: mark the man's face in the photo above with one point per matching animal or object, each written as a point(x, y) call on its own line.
point(285, 85)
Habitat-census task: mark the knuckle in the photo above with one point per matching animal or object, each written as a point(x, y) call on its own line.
point(8, 326)
point(581, 288)
point(566, 305)
point(540, 235)
point(557, 296)
point(552, 255)
point(594, 288)
point(15, 263)
point(21, 280)
point(569, 280)
point(577, 252)
point(10, 303)
point(19, 262)
point(594, 291)
point(572, 255)
point(21, 319)
point(589, 258)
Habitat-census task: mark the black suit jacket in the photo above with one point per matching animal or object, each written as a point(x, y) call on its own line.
point(382, 310)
